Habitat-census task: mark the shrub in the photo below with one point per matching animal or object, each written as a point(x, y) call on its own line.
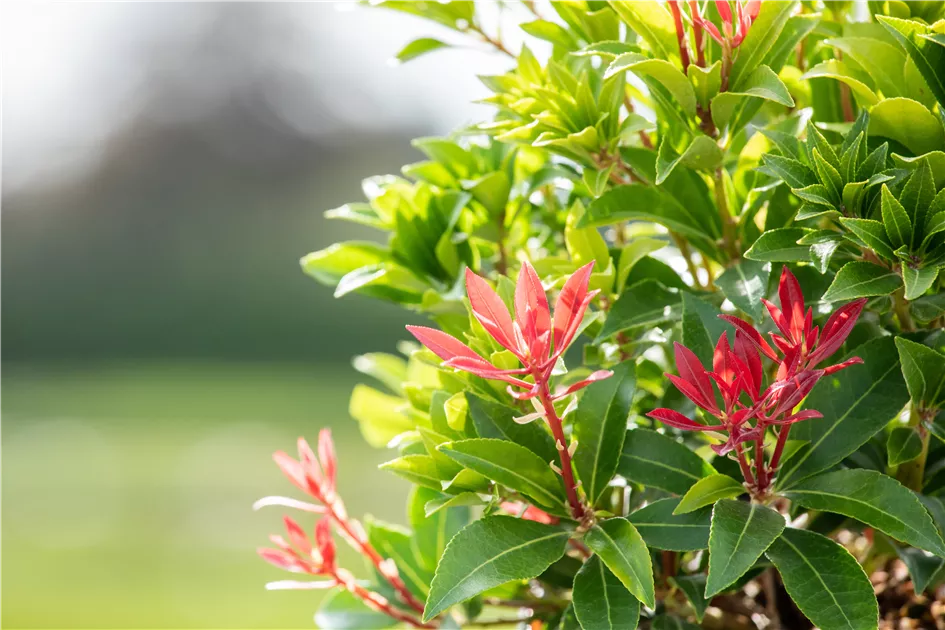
point(749, 198)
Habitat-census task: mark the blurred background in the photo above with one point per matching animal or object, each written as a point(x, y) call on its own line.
point(164, 168)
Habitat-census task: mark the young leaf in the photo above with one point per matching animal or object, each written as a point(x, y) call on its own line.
point(658, 461)
point(794, 173)
point(702, 154)
point(661, 71)
point(744, 285)
point(693, 587)
point(418, 469)
point(342, 610)
point(918, 279)
point(924, 371)
point(637, 202)
point(620, 546)
point(661, 528)
point(856, 403)
point(895, 220)
point(653, 23)
point(490, 552)
point(442, 502)
point(825, 581)
point(419, 47)
point(780, 245)
point(871, 232)
point(709, 490)
point(836, 69)
point(511, 465)
point(740, 534)
point(858, 279)
point(601, 601)
point(600, 425)
point(761, 37)
point(926, 50)
point(874, 499)
point(903, 445)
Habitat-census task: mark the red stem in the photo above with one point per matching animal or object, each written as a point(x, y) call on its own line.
point(378, 602)
point(680, 34)
point(760, 472)
point(557, 431)
point(353, 535)
point(779, 448)
point(746, 470)
point(697, 33)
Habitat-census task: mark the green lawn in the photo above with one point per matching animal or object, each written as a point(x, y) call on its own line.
point(127, 490)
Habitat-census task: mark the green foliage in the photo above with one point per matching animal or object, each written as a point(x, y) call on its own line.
point(687, 179)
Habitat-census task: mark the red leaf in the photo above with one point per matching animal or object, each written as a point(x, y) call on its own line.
point(599, 375)
point(806, 414)
point(531, 309)
point(483, 368)
point(326, 455)
point(690, 369)
point(679, 421)
point(297, 535)
point(837, 329)
point(841, 366)
point(571, 301)
point(779, 319)
point(326, 545)
point(747, 352)
point(689, 391)
point(489, 309)
point(442, 345)
point(792, 303)
point(725, 11)
point(753, 335)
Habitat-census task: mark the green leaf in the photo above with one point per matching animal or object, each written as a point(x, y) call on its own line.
point(701, 154)
point(693, 587)
point(418, 469)
point(637, 202)
point(661, 71)
point(661, 528)
point(342, 610)
point(858, 279)
point(745, 284)
point(823, 245)
point(620, 546)
point(918, 280)
point(922, 567)
point(874, 499)
point(492, 420)
point(645, 303)
point(511, 465)
point(903, 445)
point(600, 600)
point(550, 32)
point(924, 371)
point(418, 48)
point(871, 232)
point(600, 424)
point(836, 69)
point(895, 220)
point(909, 123)
point(780, 245)
point(331, 264)
point(658, 461)
point(492, 191)
point(762, 83)
point(489, 552)
point(740, 534)
point(705, 82)
point(885, 61)
point(443, 502)
point(856, 403)
point(396, 543)
point(794, 173)
point(379, 415)
point(825, 581)
point(709, 490)
point(432, 531)
point(652, 22)
point(633, 253)
point(926, 51)
point(671, 622)
point(764, 32)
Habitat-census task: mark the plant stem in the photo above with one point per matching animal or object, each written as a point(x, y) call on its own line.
point(375, 601)
point(901, 307)
point(746, 469)
point(492, 41)
point(683, 246)
point(911, 474)
point(771, 599)
point(761, 474)
point(557, 431)
point(779, 449)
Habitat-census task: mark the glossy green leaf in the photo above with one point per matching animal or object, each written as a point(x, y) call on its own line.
point(636, 202)
point(918, 280)
point(762, 83)
point(862, 279)
point(825, 581)
point(658, 461)
point(418, 469)
point(922, 567)
point(492, 420)
point(884, 60)
point(661, 528)
point(693, 587)
point(856, 403)
point(661, 71)
point(763, 34)
point(709, 490)
point(745, 284)
point(600, 424)
point(645, 303)
point(702, 154)
point(857, 81)
point(705, 82)
point(433, 531)
point(909, 123)
point(740, 533)
point(871, 232)
point(924, 371)
point(622, 549)
point(779, 245)
point(511, 465)
point(652, 22)
point(447, 501)
point(342, 610)
point(895, 220)
point(601, 601)
point(925, 50)
point(903, 445)
point(795, 174)
point(490, 552)
point(874, 499)
point(396, 544)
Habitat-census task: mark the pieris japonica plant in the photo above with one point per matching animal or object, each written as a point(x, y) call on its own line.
point(684, 361)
